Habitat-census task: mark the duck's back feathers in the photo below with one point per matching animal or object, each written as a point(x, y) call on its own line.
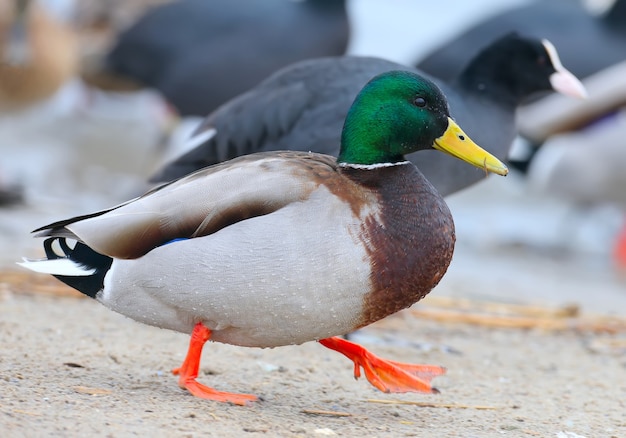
point(212, 199)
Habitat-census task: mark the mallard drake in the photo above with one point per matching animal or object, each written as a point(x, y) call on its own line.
point(38, 53)
point(588, 42)
point(282, 248)
point(303, 107)
point(215, 50)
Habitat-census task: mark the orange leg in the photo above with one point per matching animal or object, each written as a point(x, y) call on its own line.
point(386, 375)
point(188, 372)
point(619, 251)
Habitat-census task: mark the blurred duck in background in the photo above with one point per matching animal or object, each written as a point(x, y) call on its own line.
point(590, 35)
point(200, 53)
point(581, 147)
point(38, 57)
point(39, 51)
point(570, 149)
point(85, 131)
point(305, 104)
point(47, 111)
point(100, 23)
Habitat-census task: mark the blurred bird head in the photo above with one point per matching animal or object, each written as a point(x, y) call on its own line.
point(516, 67)
point(17, 50)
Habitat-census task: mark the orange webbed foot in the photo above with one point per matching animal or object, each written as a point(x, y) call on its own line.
point(386, 375)
point(188, 372)
point(203, 391)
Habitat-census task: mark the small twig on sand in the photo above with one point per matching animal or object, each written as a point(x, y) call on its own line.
point(31, 283)
point(323, 412)
point(431, 404)
point(599, 324)
point(503, 315)
point(458, 303)
point(91, 391)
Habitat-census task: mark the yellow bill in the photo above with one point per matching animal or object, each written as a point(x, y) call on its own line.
point(457, 143)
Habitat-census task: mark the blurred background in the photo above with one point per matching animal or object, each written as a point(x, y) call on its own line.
point(87, 115)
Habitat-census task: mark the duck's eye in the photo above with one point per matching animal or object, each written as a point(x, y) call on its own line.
point(541, 60)
point(419, 102)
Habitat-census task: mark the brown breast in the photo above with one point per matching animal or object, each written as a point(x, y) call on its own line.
point(409, 243)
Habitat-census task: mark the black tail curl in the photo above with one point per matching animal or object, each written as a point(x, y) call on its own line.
point(91, 284)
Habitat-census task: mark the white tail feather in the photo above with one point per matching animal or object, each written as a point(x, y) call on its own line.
point(64, 267)
point(197, 139)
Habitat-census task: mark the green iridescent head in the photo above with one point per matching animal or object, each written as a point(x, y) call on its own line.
point(400, 112)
